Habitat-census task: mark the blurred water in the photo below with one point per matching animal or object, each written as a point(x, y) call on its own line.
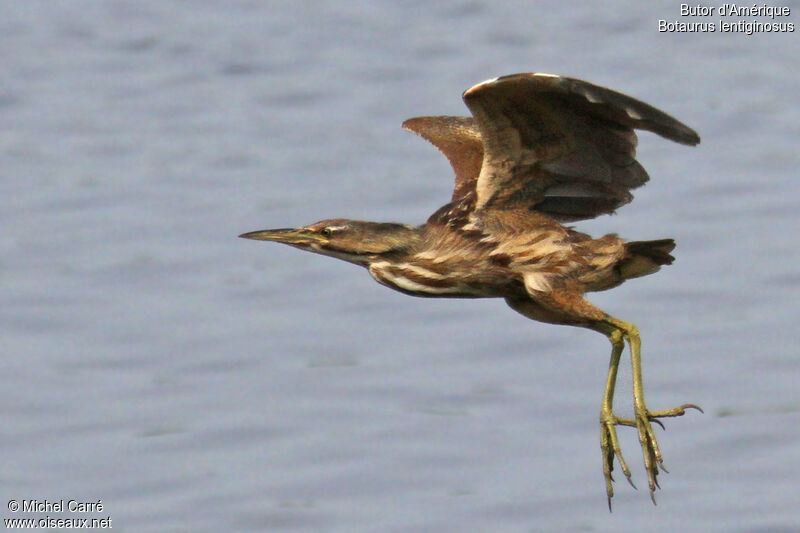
point(197, 382)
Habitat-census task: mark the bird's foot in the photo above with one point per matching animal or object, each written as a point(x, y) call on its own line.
point(653, 461)
point(609, 445)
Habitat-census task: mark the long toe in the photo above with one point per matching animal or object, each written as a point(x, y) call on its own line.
point(677, 411)
point(650, 450)
point(610, 448)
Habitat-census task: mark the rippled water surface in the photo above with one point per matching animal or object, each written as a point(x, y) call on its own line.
point(198, 382)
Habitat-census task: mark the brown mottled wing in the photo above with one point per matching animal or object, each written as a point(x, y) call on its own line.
point(561, 146)
point(459, 140)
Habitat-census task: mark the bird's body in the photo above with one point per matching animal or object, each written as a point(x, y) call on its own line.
point(540, 150)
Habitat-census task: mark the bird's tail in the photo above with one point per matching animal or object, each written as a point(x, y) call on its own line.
point(645, 257)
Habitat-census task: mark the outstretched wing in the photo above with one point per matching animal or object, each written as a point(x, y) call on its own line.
point(561, 146)
point(459, 140)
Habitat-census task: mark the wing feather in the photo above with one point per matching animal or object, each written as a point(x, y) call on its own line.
point(459, 140)
point(561, 146)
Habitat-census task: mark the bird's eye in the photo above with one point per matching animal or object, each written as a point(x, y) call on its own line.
point(326, 232)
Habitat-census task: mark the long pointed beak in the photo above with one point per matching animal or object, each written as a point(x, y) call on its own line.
point(284, 235)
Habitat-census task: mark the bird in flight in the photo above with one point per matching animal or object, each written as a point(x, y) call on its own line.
point(538, 151)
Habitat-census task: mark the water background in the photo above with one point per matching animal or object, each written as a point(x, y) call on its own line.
point(198, 382)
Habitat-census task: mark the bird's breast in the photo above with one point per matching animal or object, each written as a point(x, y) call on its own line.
point(419, 280)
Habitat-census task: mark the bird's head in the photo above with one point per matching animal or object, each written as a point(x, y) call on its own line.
point(355, 241)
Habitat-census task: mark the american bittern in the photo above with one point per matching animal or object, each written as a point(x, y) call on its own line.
point(539, 150)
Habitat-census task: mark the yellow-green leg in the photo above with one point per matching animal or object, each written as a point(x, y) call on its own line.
point(564, 307)
point(617, 330)
point(609, 443)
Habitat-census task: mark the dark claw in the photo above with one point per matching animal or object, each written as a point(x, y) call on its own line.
point(692, 406)
point(631, 482)
point(657, 421)
point(653, 497)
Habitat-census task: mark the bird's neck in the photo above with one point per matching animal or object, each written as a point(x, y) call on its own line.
point(377, 242)
point(390, 241)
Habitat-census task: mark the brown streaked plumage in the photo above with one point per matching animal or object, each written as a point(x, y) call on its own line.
point(539, 150)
